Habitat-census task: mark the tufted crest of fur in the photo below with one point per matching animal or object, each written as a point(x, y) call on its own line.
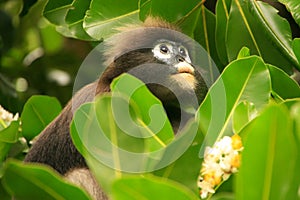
point(132, 37)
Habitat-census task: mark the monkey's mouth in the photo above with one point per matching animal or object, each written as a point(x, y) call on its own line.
point(185, 75)
point(186, 69)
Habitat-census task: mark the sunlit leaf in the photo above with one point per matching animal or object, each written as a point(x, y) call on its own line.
point(294, 108)
point(244, 52)
point(282, 84)
point(189, 163)
point(11, 133)
point(104, 16)
point(293, 7)
point(37, 113)
point(4, 149)
point(150, 187)
point(223, 196)
point(127, 126)
point(257, 25)
point(222, 16)
point(74, 19)
point(28, 181)
point(128, 132)
point(242, 115)
point(296, 48)
point(55, 11)
point(205, 34)
point(177, 9)
point(268, 163)
point(245, 79)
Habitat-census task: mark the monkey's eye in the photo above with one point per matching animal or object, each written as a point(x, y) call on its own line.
point(164, 49)
point(182, 51)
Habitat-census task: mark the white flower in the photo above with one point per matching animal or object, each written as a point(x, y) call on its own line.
point(6, 117)
point(220, 161)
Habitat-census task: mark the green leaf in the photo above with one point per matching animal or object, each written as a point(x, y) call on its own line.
point(177, 9)
point(294, 107)
point(128, 132)
point(37, 113)
point(149, 187)
point(55, 11)
point(205, 34)
point(4, 149)
point(242, 115)
point(74, 19)
point(11, 133)
point(293, 8)
point(223, 196)
point(268, 163)
point(295, 113)
point(263, 31)
point(130, 121)
point(244, 52)
point(29, 181)
point(245, 79)
point(282, 84)
point(189, 163)
point(222, 17)
point(189, 22)
point(296, 48)
point(150, 114)
point(106, 15)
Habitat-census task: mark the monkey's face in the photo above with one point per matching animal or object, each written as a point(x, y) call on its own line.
point(161, 58)
point(176, 56)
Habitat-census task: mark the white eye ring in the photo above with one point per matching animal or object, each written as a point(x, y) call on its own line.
point(183, 51)
point(162, 51)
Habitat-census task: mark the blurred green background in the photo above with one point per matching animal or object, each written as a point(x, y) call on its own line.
point(34, 57)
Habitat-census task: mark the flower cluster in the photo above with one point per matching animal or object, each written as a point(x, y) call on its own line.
point(6, 118)
point(220, 161)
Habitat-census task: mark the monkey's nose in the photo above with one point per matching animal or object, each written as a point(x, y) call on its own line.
point(180, 59)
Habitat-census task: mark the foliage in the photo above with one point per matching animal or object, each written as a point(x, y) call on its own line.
point(254, 97)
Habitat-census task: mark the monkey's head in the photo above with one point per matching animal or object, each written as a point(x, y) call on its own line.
point(160, 56)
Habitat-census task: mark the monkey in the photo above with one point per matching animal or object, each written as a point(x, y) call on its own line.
point(164, 55)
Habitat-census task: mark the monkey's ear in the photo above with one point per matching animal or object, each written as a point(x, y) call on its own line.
point(152, 21)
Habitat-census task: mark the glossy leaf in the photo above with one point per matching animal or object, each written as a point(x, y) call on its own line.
point(127, 122)
point(11, 133)
point(205, 34)
point(177, 9)
point(4, 149)
point(74, 19)
point(100, 21)
point(296, 48)
point(294, 108)
point(293, 7)
point(37, 113)
point(263, 31)
point(242, 115)
point(8, 136)
point(223, 196)
point(55, 11)
point(245, 79)
point(119, 141)
point(244, 52)
point(268, 163)
point(28, 181)
point(184, 164)
point(222, 17)
point(149, 187)
point(282, 84)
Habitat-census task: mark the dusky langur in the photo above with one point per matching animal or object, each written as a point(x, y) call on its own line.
point(168, 59)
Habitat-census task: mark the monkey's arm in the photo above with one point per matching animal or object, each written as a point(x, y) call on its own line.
point(54, 146)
